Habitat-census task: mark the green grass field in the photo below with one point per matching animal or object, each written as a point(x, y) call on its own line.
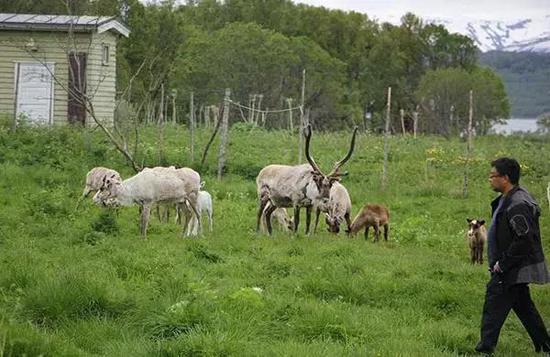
point(82, 282)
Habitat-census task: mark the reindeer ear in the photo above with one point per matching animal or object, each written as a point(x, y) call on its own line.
point(482, 222)
point(468, 220)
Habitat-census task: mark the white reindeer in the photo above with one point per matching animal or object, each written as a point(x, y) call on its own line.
point(150, 187)
point(204, 204)
point(296, 186)
point(337, 209)
point(94, 180)
point(280, 216)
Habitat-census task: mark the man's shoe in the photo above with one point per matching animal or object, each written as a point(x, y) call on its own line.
point(484, 349)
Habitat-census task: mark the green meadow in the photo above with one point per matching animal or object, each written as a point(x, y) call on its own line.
point(81, 282)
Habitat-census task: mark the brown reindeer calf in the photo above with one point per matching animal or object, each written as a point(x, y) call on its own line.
point(371, 215)
point(477, 236)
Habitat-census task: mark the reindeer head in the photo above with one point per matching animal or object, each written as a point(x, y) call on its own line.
point(322, 181)
point(473, 226)
point(289, 223)
point(333, 224)
point(107, 194)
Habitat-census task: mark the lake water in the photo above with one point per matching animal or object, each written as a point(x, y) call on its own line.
point(516, 125)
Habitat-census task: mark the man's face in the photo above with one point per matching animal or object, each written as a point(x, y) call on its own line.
point(497, 181)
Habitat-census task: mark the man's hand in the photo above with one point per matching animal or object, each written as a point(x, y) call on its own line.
point(496, 268)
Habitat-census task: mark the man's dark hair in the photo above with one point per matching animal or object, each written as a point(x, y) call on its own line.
point(506, 166)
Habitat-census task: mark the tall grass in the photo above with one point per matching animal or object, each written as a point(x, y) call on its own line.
point(80, 283)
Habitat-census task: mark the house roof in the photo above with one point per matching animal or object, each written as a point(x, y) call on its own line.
point(33, 22)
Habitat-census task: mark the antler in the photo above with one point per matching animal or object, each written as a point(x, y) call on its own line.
point(339, 164)
point(307, 134)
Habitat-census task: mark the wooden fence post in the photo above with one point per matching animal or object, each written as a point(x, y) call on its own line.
point(402, 117)
point(302, 114)
point(290, 123)
point(192, 126)
point(224, 133)
point(386, 142)
point(415, 120)
point(468, 145)
point(161, 126)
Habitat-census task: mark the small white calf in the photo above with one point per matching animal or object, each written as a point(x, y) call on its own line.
point(204, 204)
point(281, 216)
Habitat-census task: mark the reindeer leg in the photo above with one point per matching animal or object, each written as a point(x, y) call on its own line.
point(481, 254)
point(187, 222)
point(317, 213)
point(263, 202)
point(196, 230)
point(386, 231)
point(367, 232)
point(308, 218)
point(268, 213)
point(210, 219)
point(146, 210)
point(178, 214)
point(296, 218)
point(376, 232)
point(348, 220)
point(157, 211)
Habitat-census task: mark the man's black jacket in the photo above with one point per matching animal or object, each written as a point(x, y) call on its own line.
point(518, 247)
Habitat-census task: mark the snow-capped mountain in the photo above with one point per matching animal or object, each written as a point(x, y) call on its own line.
point(521, 35)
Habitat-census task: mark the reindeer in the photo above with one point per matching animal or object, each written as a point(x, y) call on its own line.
point(150, 187)
point(280, 216)
point(296, 186)
point(371, 215)
point(94, 181)
point(336, 209)
point(477, 236)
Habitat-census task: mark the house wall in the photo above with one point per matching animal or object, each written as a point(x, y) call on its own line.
point(102, 77)
point(54, 47)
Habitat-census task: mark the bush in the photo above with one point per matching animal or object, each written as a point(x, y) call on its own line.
point(105, 223)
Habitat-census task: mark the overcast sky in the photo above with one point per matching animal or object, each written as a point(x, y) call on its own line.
point(392, 10)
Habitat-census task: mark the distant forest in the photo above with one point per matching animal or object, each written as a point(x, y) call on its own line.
point(260, 48)
point(527, 79)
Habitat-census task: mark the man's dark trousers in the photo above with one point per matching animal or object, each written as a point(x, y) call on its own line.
point(499, 300)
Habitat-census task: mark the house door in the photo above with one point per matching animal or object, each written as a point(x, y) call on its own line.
point(34, 92)
point(77, 88)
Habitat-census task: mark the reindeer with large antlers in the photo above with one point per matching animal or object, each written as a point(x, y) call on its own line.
point(296, 186)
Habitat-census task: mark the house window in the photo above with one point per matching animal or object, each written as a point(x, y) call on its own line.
point(105, 55)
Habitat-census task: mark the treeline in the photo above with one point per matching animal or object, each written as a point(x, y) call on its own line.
point(261, 47)
point(526, 75)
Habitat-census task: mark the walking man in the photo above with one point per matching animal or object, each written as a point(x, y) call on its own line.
point(515, 258)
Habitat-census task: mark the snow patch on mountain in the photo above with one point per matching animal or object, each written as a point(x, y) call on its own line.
point(528, 34)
